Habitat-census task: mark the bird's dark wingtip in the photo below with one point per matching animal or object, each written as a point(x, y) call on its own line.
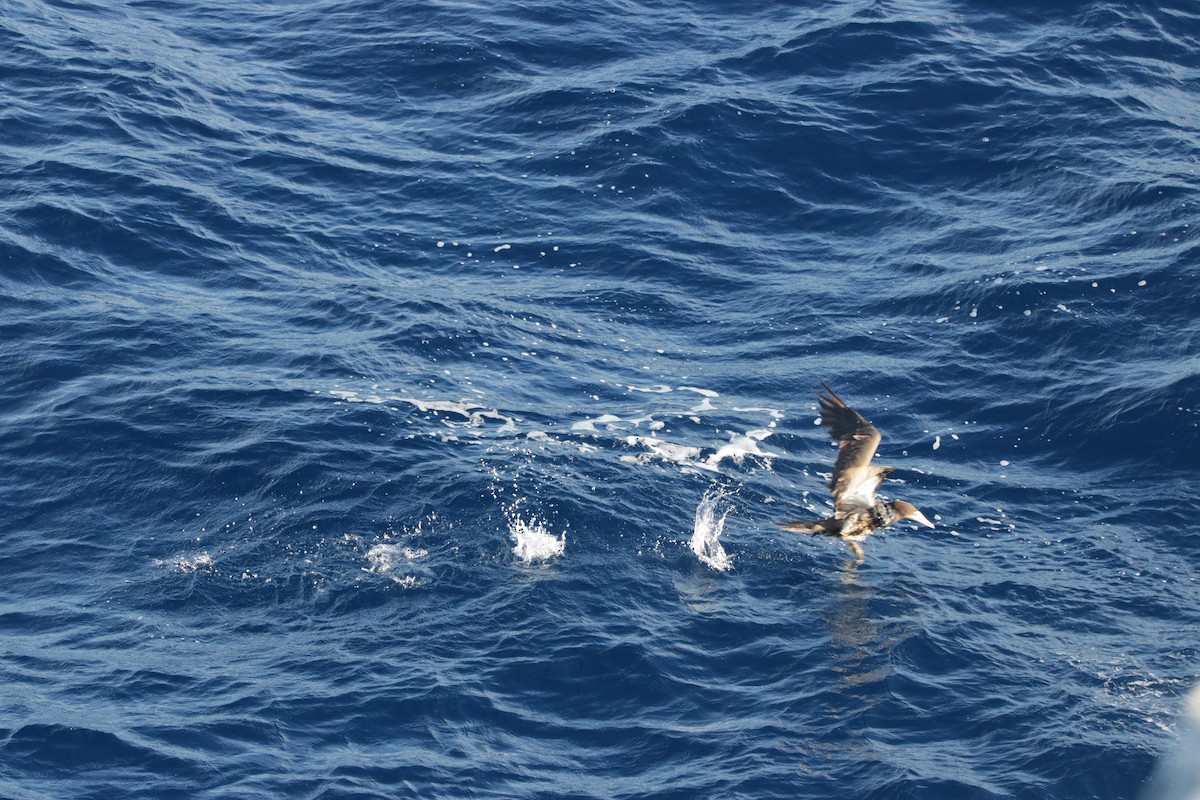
point(832, 394)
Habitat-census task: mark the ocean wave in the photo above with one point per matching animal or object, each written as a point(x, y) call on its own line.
point(401, 399)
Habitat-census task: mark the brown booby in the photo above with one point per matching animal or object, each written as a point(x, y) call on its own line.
point(856, 511)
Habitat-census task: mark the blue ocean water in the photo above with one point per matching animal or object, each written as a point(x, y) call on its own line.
point(397, 399)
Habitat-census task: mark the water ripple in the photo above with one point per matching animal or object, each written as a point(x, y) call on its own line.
point(371, 375)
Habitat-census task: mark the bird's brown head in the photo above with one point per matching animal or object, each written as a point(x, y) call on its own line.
point(909, 511)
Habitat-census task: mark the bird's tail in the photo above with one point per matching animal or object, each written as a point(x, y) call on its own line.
point(828, 527)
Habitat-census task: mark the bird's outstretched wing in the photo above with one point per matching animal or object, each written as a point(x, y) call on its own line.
point(855, 478)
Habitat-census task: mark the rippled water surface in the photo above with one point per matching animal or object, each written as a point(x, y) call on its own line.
point(397, 399)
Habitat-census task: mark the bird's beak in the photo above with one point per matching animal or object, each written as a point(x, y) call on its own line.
point(920, 518)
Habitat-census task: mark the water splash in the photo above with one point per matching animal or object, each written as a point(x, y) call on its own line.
point(706, 535)
point(384, 558)
point(188, 563)
point(534, 542)
point(392, 558)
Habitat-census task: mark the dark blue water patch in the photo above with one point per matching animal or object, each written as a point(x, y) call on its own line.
point(57, 752)
point(25, 269)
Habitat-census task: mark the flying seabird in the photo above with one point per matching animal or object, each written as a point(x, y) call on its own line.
point(856, 511)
